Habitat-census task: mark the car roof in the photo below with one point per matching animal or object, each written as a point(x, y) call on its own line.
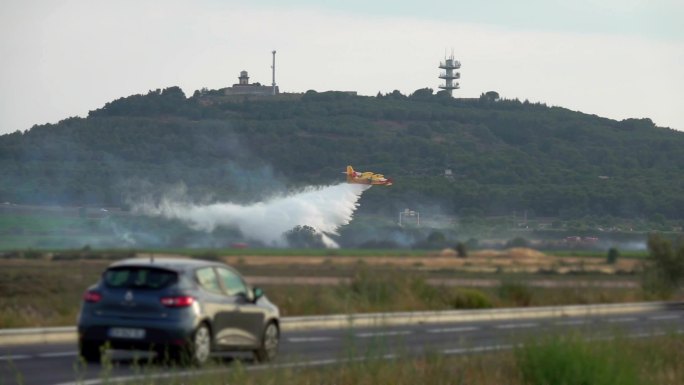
point(167, 263)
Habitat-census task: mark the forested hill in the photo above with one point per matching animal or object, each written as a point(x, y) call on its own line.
point(478, 156)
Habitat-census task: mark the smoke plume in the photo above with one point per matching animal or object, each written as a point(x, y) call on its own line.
point(325, 208)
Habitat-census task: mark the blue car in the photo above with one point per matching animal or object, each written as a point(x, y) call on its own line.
point(180, 308)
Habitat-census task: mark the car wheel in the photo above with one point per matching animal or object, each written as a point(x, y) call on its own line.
point(270, 340)
point(201, 345)
point(90, 351)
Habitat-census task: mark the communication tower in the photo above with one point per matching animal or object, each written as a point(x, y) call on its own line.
point(449, 65)
point(273, 83)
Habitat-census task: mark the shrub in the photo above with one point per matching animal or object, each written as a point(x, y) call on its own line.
point(371, 289)
point(66, 257)
point(665, 267)
point(33, 254)
point(517, 242)
point(208, 256)
point(469, 299)
point(515, 292)
point(613, 255)
point(461, 250)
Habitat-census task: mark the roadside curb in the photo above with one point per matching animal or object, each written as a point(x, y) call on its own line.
point(412, 318)
point(24, 336)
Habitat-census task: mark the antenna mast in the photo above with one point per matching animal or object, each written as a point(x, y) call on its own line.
point(273, 84)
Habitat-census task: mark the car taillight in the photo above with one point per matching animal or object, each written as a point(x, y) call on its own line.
point(179, 301)
point(92, 296)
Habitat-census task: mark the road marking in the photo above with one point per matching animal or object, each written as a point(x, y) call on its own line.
point(14, 357)
point(57, 354)
point(626, 319)
point(664, 317)
point(309, 339)
point(383, 334)
point(574, 322)
point(518, 326)
point(476, 349)
point(454, 330)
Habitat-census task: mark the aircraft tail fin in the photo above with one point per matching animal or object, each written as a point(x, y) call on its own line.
point(350, 174)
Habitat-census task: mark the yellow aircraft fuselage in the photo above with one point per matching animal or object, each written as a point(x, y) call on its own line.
point(366, 177)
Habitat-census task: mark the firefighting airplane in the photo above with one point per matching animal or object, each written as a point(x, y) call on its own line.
point(366, 177)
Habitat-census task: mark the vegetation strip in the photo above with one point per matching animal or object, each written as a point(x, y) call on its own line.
point(534, 348)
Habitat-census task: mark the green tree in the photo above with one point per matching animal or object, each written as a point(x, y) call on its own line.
point(491, 96)
point(461, 250)
point(436, 237)
point(304, 237)
point(613, 255)
point(664, 271)
point(517, 242)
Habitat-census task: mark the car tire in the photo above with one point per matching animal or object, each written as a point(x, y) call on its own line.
point(270, 340)
point(200, 346)
point(90, 351)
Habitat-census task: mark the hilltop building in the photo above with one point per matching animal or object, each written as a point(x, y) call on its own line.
point(244, 87)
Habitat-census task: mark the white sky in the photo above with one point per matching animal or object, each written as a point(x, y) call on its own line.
point(617, 59)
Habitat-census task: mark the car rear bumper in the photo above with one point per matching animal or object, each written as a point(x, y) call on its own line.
point(157, 332)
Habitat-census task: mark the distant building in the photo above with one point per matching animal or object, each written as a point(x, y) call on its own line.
point(243, 87)
point(450, 65)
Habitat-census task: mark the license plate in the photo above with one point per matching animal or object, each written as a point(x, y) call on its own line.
point(127, 333)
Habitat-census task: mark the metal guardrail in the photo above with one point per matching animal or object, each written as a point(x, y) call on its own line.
point(22, 336)
point(408, 318)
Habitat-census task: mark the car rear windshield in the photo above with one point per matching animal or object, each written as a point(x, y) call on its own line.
point(132, 277)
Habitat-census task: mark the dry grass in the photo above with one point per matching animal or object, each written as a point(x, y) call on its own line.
point(48, 293)
point(44, 293)
point(514, 260)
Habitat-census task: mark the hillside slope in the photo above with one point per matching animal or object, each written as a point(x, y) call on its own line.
point(502, 155)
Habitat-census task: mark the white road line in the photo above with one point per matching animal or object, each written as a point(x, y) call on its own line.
point(309, 339)
point(517, 326)
point(14, 357)
point(454, 330)
point(57, 354)
point(626, 319)
point(383, 334)
point(664, 317)
point(574, 322)
point(476, 349)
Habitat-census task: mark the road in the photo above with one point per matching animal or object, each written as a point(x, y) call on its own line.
point(58, 363)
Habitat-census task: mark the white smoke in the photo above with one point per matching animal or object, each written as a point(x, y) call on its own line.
point(325, 208)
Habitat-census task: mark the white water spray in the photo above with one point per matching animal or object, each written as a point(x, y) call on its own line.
point(323, 208)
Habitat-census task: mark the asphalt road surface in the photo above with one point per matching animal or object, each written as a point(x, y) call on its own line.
point(59, 363)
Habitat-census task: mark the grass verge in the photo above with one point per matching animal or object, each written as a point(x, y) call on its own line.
point(553, 360)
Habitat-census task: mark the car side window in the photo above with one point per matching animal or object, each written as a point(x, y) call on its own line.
point(231, 282)
point(206, 277)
